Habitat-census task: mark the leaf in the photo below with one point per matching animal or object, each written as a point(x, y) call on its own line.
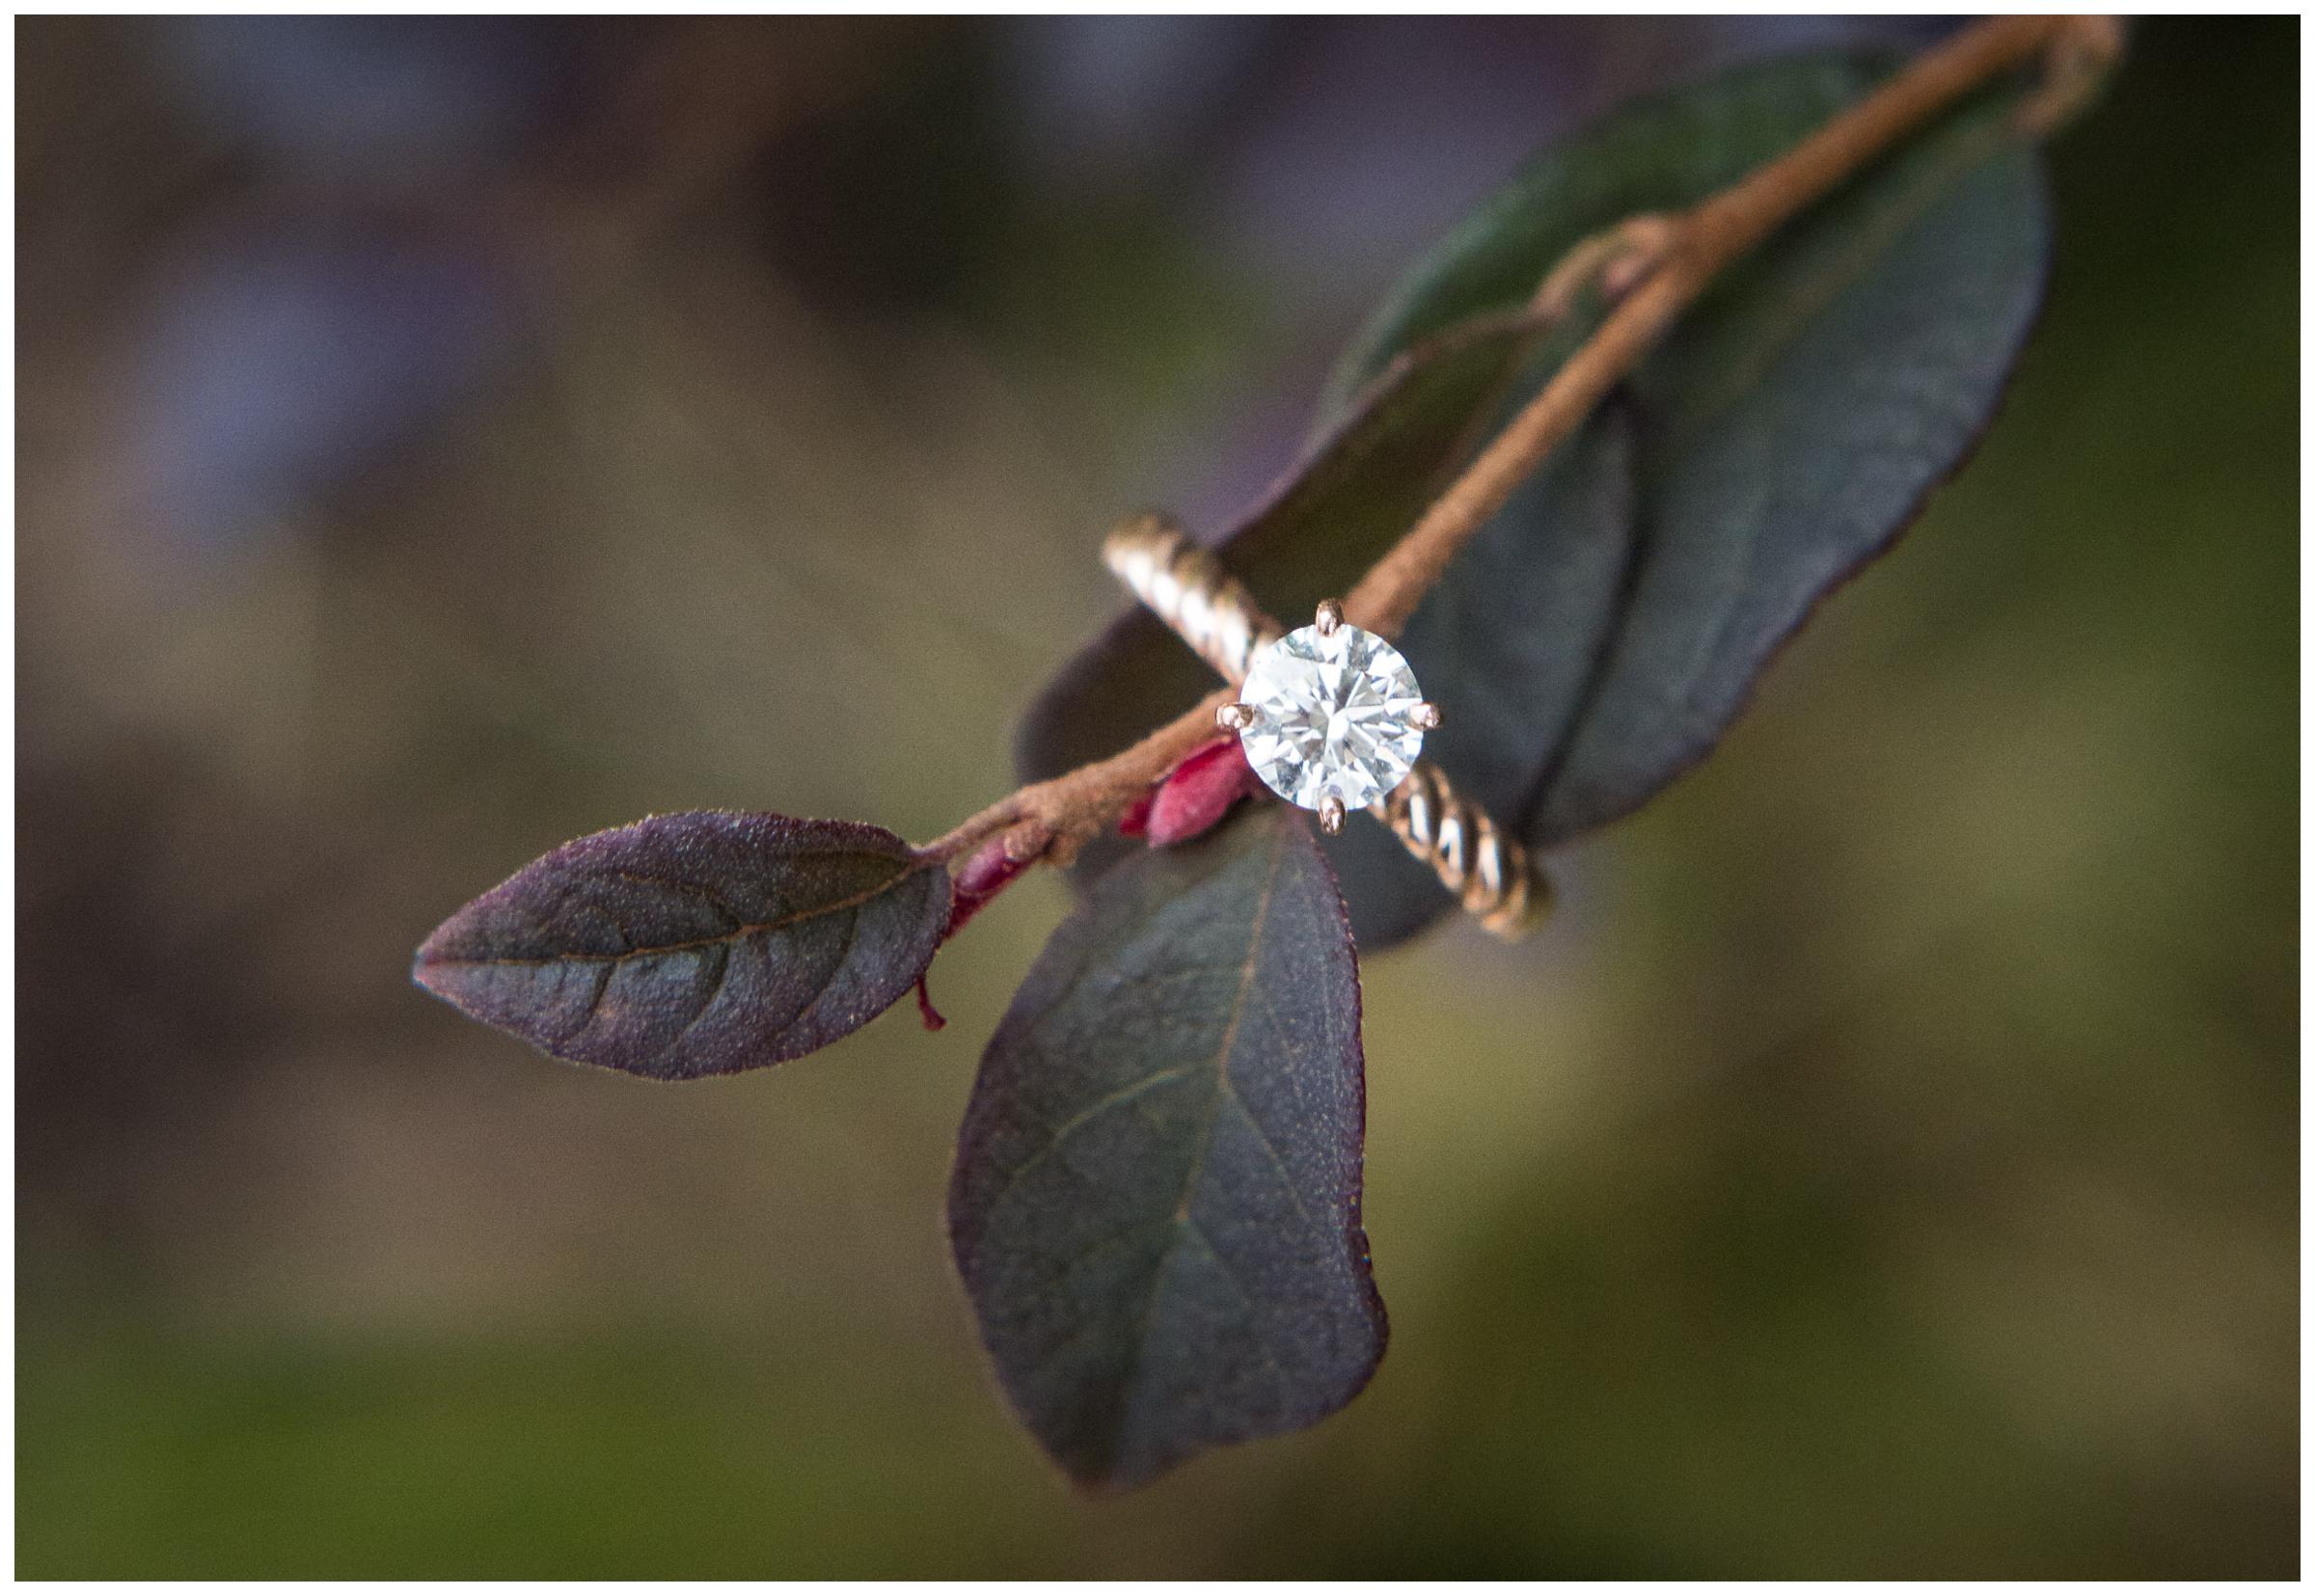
point(1602, 631)
point(1156, 1204)
point(1784, 435)
point(695, 944)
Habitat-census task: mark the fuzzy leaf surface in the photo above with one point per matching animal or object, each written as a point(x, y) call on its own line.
point(695, 944)
point(1156, 1202)
point(1605, 628)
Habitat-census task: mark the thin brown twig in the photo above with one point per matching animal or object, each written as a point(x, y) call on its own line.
point(1654, 268)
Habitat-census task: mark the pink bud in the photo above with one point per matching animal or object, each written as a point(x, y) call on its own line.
point(1199, 792)
point(986, 871)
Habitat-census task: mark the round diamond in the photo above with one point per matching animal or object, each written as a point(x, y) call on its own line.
point(1333, 716)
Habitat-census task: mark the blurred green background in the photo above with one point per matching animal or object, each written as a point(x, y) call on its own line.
point(436, 440)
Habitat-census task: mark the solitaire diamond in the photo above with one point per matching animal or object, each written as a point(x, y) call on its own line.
point(1335, 714)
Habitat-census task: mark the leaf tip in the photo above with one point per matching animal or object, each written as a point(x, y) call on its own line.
point(430, 965)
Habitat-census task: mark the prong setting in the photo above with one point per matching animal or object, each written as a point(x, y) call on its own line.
point(1331, 714)
point(1424, 715)
point(1234, 717)
point(1330, 814)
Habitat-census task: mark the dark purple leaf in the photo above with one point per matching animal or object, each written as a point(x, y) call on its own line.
point(695, 944)
point(1156, 1206)
point(1603, 630)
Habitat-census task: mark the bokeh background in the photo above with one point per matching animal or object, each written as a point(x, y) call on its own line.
point(436, 440)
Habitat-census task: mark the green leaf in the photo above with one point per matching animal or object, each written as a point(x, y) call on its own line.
point(695, 944)
point(1785, 434)
point(1156, 1204)
point(1599, 635)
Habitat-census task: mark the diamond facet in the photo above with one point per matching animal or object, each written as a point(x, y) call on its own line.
point(1334, 716)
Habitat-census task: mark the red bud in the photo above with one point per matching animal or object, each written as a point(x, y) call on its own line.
point(987, 871)
point(1199, 792)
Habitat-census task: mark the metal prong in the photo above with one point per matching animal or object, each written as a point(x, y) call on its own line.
point(1424, 715)
point(1330, 616)
point(1234, 717)
point(1330, 814)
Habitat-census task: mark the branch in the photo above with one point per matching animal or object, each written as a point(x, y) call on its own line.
point(1654, 268)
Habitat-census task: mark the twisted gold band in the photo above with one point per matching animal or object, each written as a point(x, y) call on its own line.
point(1185, 586)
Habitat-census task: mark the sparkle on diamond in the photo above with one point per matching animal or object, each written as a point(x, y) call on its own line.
point(1332, 715)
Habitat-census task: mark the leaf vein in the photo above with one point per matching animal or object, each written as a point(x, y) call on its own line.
point(692, 944)
point(714, 996)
